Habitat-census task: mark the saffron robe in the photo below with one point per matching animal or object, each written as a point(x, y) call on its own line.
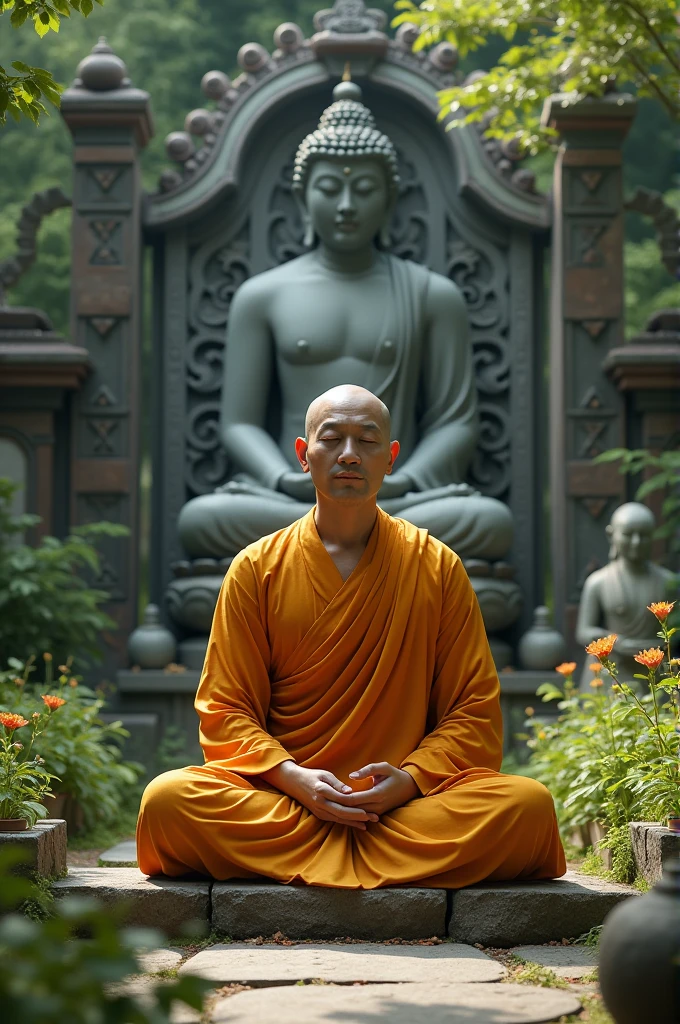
point(391, 665)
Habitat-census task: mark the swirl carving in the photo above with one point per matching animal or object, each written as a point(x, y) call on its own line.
point(205, 358)
point(222, 275)
point(206, 460)
point(483, 284)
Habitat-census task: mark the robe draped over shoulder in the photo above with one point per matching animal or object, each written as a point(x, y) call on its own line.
point(390, 665)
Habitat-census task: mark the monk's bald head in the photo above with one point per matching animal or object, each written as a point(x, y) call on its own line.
point(347, 400)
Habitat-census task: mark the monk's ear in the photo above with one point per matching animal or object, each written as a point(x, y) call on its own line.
point(395, 448)
point(301, 452)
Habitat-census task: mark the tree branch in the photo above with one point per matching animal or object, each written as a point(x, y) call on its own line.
point(670, 57)
point(672, 108)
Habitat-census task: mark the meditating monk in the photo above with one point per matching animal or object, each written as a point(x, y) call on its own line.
point(349, 705)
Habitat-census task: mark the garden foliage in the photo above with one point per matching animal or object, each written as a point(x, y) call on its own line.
point(51, 976)
point(79, 747)
point(46, 603)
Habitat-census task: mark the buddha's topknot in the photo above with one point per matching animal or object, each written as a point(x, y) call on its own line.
point(346, 129)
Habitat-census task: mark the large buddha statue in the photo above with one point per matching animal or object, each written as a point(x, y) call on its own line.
point(615, 599)
point(348, 312)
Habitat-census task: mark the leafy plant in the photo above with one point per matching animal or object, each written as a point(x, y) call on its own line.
point(664, 475)
point(551, 46)
point(24, 780)
point(82, 750)
point(46, 603)
point(22, 94)
point(51, 976)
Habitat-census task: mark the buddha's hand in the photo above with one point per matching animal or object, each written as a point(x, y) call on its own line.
point(298, 486)
point(321, 793)
point(395, 486)
point(392, 787)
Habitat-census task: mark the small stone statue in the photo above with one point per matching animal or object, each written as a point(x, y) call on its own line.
point(615, 598)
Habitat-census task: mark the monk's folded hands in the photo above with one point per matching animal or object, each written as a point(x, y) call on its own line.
point(321, 793)
point(392, 787)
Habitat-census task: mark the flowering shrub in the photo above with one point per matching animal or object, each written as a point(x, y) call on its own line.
point(24, 781)
point(613, 755)
point(80, 748)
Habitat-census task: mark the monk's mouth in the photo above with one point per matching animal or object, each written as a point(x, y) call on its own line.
point(344, 476)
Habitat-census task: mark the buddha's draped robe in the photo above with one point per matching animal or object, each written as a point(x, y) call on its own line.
point(391, 665)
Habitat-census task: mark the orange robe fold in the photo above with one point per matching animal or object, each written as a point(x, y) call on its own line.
point(391, 665)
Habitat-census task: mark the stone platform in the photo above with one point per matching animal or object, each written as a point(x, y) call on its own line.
point(496, 915)
point(653, 844)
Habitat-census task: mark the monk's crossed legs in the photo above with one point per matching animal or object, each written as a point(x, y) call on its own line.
point(486, 825)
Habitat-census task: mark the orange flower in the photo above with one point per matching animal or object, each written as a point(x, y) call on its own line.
point(541, 735)
point(53, 702)
point(651, 658)
point(566, 668)
point(73, 682)
point(661, 609)
point(595, 666)
point(597, 681)
point(603, 647)
point(529, 712)
point(47, 656)
point(12, 721)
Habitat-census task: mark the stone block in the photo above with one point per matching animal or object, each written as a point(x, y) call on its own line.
point(43, 847)
point(564, 961)
point(164, 903)
point(273, 964)
point(122, 855)
point(398, 1004)
point(652, 845)
point(513, 913)
point(245, 911)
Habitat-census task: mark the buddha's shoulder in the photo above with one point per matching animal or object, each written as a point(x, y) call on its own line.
point(440, 292)
point(269, 282)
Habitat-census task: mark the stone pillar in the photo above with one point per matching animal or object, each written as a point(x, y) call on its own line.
point(111, 123)
point(586, 321)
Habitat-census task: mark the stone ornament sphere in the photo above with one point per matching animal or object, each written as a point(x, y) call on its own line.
point(288, 37)
point(640, 954)
point(198, 122)
point(252, 57)
point(179, 146)
point(444, 56)
point(406, 35)
point(151, 645)
point(101, 70)
point(169, 180)
point(215, 84)
point(542, 647)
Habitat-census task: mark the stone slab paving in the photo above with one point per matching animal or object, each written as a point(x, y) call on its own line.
point(245, 911)
point(652, 845)
point(398, 1004)
point(164, 903)
point(342, 964)
point(43, 848)
point(160, 959)
point(506, 914)
point(122, 855)
point(564, 961)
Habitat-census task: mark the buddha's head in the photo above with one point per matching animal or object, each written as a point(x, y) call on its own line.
point(630, 533)
point(345, 176)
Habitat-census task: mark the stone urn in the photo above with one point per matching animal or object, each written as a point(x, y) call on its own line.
point(542, 647)
point(151, 645)
point(640, 954)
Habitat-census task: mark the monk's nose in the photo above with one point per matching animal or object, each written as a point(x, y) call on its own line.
point(349, 453)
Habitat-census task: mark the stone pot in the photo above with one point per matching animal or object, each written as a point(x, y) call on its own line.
point(640, 954)
point(151, 645)
point(674, 824)
point(542, 647)
point(13, 824)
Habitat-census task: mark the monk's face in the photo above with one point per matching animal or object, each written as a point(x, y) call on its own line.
point(348, 451)
point(347, 202)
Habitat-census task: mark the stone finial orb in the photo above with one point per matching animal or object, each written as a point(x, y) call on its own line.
point(542, 647)
point(168, 180)
point(406, 35)
point(288, 37)
point(347, 90)
point(101, 70)
point(179, 146)
point(198, 122)
point(215, 84)
point(252, 57)
point(444, 56)
point(151, 645)
point(524, 179)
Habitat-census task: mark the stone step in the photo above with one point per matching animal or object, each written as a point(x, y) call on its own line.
point(501, 914)
point(42, 848)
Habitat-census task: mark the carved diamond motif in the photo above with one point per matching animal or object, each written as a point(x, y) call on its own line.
point(106, 176)
point(594, 327)
point(590, 446)
point(591, 179)
point(105, 252)
point(591, 399)
point(103, 429)
point(103, 325)
point(594, 506)
point(103, 397)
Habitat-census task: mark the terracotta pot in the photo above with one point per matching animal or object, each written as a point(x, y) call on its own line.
point(13, 824)
point(674, 824)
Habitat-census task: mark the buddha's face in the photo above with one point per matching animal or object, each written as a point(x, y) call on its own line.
point(631, 534)
point(347, 202)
